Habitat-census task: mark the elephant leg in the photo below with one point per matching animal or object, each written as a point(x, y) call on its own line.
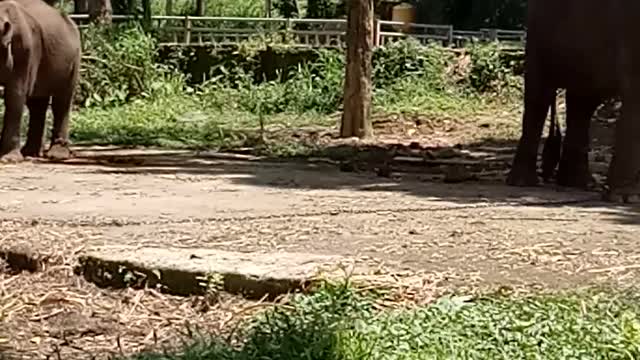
point(623, 178)
point(538, 97)
point(61, 108)
point(624, 171)
point(14, 101)
point(573, 170)
point(37, 116)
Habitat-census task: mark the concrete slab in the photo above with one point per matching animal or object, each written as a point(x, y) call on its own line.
point(181, 271)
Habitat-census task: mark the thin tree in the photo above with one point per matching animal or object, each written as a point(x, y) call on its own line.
point(200, 8)
point(356, 118)
point(100, 11)
point(80, 6)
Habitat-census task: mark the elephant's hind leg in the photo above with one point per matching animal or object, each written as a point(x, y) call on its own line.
point(61, 108)
point(624, 170)
point(573, 170)
point(37, 115)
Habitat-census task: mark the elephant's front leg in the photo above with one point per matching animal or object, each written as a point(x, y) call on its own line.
point(37, 115)
point(538, 96)
point(14, 101)
point(573, 170)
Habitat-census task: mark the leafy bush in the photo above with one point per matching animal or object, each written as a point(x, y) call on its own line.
point(405, 74)
point(409, 58)
point(228, 8)
point(318, 86)
point(312, 87)
point(119, 66)
point(325, 9)
point(489, 73)
point(339, 322)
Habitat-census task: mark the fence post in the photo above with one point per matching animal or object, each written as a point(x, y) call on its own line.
point(376, 32)
point(187, 30)
point(494, 34)
point(450, 35)
point(288, 30)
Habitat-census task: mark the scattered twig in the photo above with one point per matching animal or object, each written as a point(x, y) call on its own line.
point(46, 316)
point(615, 269)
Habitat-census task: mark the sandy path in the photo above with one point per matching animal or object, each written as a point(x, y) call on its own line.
point(472, 231)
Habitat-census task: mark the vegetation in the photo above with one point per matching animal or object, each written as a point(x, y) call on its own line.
point(128, 97)
point(119, 66)
point(338, 322)
point(462, 14)
point(232, 8)
point(471, 14)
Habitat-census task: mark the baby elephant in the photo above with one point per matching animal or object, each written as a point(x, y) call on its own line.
point(40, 55)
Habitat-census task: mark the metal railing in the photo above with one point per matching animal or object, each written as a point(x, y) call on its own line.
point(390, 31)
point(200, 30)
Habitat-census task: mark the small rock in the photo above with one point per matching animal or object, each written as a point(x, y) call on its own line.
point(384, 170)
point(447, 153)
point(457, 174)
point(347, 166)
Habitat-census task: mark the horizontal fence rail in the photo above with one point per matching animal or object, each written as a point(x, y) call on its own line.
point(202, 30)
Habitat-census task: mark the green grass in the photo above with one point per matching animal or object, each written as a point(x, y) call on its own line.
point(338, 323)
point(156, 106)
point(178, 122)
point(225, 122)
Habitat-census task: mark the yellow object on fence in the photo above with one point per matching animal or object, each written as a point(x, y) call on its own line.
point(405, 13)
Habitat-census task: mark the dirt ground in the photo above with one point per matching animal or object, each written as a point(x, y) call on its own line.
point(477, 232)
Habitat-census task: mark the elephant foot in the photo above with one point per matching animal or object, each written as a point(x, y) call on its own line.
point(59, 152)
point(522, 176)
point(579, 179)
point(13, 156)
point(573, 171)
point(31, 151)
point(622, 196)
point(623, 180)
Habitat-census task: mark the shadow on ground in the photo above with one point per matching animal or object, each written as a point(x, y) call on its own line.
point(468, 175)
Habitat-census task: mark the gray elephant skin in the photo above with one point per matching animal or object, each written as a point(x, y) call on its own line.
point(590, 48)
point(40, 54)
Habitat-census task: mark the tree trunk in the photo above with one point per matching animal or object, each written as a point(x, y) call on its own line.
point(199, 7)
point(100, 11)
point(168, 8)
point(356, 118)
point(146, 15)
point(80, 6)
point(267, 7)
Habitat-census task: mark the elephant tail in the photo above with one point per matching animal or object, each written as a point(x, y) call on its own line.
point(553, 145)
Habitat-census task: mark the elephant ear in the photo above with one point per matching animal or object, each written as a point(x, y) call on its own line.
point(7, 33)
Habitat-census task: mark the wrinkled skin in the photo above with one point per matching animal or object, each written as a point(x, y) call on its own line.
point(593, 63)
point(39, 64)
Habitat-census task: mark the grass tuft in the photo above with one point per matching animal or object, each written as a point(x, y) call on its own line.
point(339, 323)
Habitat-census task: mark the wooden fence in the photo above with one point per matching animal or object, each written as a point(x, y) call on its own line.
point(201, 30)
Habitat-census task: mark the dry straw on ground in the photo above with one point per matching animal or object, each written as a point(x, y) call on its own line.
point(53, 313)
